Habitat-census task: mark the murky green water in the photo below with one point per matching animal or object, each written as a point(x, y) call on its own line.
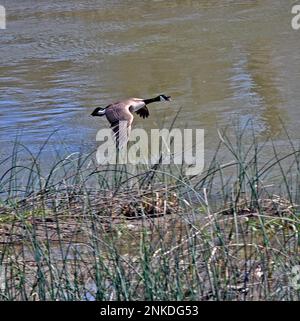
point(219, 59)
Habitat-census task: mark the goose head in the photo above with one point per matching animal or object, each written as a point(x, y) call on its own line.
point(163, 97)
point(98, 112)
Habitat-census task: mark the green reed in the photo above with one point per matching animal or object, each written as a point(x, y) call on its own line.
point(231, 233)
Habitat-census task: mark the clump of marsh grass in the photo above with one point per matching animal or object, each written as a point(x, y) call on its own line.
point(77, 231)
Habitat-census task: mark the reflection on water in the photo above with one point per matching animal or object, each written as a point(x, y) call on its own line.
point(218, 59)
point(265, 85)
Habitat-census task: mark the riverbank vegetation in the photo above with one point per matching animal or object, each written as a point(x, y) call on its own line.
point(79, 231)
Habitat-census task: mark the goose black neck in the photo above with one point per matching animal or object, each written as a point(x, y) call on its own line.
point(151, 100)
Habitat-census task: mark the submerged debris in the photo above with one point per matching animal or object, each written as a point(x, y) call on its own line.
point(61, 212)
point(276, 206)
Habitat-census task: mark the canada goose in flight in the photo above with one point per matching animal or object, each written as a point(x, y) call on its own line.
point(122, 111)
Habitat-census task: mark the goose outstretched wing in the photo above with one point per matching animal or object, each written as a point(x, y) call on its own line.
point(143, 112)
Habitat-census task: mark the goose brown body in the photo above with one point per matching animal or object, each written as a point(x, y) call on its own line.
point(122, 111)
